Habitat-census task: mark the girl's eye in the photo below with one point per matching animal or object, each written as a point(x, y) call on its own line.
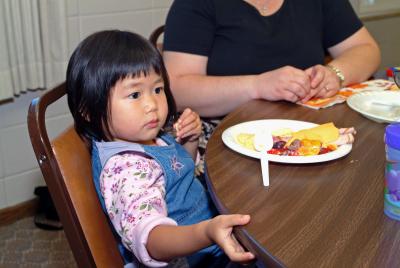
point(134, 95)
point(158, 90)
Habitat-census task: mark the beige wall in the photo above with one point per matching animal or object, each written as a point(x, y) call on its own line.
point(19, 173)
point(381, 18)
point(387, 34)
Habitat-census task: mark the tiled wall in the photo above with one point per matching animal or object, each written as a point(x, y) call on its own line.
point(88, 16)
point(19, 172)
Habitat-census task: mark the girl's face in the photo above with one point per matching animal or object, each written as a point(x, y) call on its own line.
point(138, 108)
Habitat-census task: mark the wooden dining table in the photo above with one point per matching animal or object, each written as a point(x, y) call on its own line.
point(327, 214)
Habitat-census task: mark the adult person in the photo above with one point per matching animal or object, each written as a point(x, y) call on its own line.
point(222, 53)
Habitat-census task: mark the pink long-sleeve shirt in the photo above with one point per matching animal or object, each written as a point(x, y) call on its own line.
point(133, 188)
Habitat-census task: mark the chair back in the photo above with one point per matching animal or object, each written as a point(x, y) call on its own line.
point(155, 35)
point(66, 166)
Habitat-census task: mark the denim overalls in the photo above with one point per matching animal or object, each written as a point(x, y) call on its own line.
point(186, 199)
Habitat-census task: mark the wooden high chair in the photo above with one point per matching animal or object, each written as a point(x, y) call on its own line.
point(155, 35)
point(66, 166)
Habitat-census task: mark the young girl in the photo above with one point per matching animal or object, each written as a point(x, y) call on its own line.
point(119, 96)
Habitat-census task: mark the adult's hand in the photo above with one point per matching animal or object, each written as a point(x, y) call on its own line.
point(286, 83)
point(324, 82)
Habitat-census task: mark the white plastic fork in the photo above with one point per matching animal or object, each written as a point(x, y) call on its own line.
point(262, 143)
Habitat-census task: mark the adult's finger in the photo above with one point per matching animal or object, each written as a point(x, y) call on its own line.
point(290, 96)
point(318, 78)
point(300, 84)
point(311, 95)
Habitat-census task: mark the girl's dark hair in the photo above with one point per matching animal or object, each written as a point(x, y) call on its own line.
point(96, 65)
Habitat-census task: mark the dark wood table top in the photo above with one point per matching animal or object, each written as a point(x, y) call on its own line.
point(312, 215)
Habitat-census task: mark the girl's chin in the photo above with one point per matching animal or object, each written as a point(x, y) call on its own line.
point(148, 142)
point(147, 138)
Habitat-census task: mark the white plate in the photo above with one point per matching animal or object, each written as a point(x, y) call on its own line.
point(251, 127)
point(363, 103)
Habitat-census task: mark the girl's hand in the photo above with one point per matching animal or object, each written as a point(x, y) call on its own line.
point(188, 126)
point(220, 229)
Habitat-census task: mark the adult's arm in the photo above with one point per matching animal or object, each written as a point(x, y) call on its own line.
point(358, 56)
point(352, 48)
point(218, 95)
point(208, 95)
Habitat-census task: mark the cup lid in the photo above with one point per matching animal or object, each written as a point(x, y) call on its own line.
point(392, 135)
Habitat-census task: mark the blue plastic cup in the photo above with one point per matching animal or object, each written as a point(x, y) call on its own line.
point(392, 172)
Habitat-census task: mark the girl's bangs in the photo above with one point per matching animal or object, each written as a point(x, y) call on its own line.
point(138, 64)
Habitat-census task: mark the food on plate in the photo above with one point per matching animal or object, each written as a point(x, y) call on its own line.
point(325, 133)
point(321, 139)
point(246, 140)
point(283, 132)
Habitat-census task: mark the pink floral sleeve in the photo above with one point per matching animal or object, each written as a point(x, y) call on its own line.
point(133, 188)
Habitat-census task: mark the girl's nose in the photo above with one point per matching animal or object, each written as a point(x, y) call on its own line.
point(150, 104)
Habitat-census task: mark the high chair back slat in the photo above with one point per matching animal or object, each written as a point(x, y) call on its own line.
point(66, 167)
point(155, 35)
